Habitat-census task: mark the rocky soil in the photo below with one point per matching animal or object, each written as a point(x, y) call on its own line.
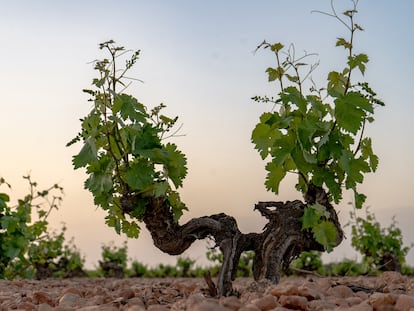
point(390, 291)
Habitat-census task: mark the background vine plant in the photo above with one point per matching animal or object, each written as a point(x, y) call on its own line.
point(114, 260)
point(382, 248)
point(24, 227)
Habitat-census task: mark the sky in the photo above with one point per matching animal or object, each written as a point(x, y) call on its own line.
point(198, 58)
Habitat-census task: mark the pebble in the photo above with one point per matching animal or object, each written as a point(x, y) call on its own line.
point(340, 291)
point(231, 302)
point(42, 297)
point(70, 300)
point(294, 302)
point(404, 303)
point(265, 303)
point(379, 300)
point(321, 305)
point(127, 293)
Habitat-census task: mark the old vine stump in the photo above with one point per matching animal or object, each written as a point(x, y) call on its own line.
point(281, 240)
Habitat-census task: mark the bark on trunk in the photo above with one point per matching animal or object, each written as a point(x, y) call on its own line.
point(281, 241)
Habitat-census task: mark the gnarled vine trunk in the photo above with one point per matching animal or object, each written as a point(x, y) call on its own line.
point(281, 241)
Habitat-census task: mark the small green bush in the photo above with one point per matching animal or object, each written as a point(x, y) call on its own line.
point(381, 247)
point(114, 260)
point(27, 249)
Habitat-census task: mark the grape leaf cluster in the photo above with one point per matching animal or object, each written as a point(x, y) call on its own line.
point(320, 134)
point(124, 150)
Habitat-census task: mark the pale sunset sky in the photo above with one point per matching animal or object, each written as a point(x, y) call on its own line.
point(198, 58)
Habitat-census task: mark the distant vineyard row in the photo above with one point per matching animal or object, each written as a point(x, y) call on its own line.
point(30, 250)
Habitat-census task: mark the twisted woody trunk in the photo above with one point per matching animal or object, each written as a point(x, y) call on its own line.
point(281, 240)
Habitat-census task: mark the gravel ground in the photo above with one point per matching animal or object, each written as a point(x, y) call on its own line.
point(390, 291)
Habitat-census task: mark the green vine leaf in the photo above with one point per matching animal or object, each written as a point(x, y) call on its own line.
point(274, 177)
point(354, 168)
point(4, 198)
point(310, 218)
point(359, 61)
point(293, 96)
point(175, 164)
point(88, 154)
point(99, 182)
point(368, 153)
point(161, 189)
point(263, 137)
point(131, 229)
point(178, 206)
point(351, 110)
point(143, 139)
point(129, 108)
point(316, 218)
point(359, 199)
point(140, 175)
point(342, 42)
point(274, 74)
point(325, 234)
point(276, 47)
point(336, 84)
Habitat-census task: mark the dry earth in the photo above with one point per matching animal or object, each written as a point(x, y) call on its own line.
point(390, 291)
